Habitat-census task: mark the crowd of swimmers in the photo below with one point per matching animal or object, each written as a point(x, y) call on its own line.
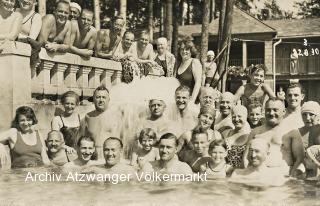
point(249, 136)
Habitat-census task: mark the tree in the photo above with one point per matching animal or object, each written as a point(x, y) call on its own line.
point(123, 8)
point(168, 23)
point(205, 31)
point(274, 10)
point(150, 19)
point(177, 16)
point(308, 8)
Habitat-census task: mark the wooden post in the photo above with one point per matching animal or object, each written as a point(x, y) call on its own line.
point(97, 14)
point(225, 41)
point(42, 7)
point(244, 54)
point(150, 19)
point(204, 31)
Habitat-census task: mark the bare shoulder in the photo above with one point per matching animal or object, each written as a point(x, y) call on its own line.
point(17, 15)
point(49, 18)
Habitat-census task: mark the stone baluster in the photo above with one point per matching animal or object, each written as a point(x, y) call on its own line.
point(83, 80)
point(116, 78)
point(41, 82)
point(70, 78)
point(94, 78)
point(57, 78)
point(106, 78)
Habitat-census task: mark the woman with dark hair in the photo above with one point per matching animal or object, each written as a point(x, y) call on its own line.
point(68, 123)
point(189, 69)
point(26, 144)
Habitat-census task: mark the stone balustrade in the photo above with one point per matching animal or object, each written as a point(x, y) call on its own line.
point(55, 74)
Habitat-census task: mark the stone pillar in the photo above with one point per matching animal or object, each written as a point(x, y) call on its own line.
point(42, 82)
point(268, 56)
point(15, 78)
point(94, 78)
point(244, 55)
point(83, 80)
point(116, 77)
point(70, 78)
point(57, 78)
point(106, 78)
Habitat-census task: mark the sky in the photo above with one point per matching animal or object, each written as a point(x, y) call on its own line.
point(286, 5)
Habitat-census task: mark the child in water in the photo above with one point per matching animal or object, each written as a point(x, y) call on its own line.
point(145, 152)
point(255, 115)
point(217, 167)
point(256, 91)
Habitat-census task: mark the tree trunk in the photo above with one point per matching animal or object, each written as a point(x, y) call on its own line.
point(42, 7)
point(225, 43)
point(96, 7)
point(212, 9)
point(181, 7)
point(150, 19)
point(123, 9)
point(175, 33)
point(221, 23)
point(168, 23)
point(204, 31)
point(188, 12)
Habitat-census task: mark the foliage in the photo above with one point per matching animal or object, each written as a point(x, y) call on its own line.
point(308, 8)
point(238, 72)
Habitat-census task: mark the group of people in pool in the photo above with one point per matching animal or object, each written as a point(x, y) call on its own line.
point(260, 143)
point(248, 136)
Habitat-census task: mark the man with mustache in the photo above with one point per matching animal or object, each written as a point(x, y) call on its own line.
point(56, 29)
point(224, 120)
point(101, 122)
point(109, 39)
point(83, 35)
point(272, 132)
point(185, 119)
point(56, 151)
point(168, 162)
point(85, 150)
point(208, 97)
point(258, 172)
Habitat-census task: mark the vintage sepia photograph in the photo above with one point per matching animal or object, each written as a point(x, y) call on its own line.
point(160, 102)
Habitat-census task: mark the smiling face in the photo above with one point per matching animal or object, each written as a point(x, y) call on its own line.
point(167, 149)
point(86, 150)
point(54, 143)
point(26, 5)
point(239, 119)
point(225, 106)
point(157, 108)
point(218, 154)
point(117, 26)
point(25, 123)
point(274, 112)
point(7, 5)
point(185, 52)
point(86, 20)
point(294, 97)
point(112, 152)
point(69, 105)
point(101, 100)
point(200, 143)
point(62, 13)
point(161, 46)
point(182, 99)
point(74, 13)
point(255, 114)
point(143, 40)
point(128, 39)
point(309, 119)
point(147, 143)
point(258, 152)
point(257, 77)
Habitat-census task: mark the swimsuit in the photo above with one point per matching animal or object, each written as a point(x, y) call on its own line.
point(24, 155)
point(186, 78)
point(70, 134)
